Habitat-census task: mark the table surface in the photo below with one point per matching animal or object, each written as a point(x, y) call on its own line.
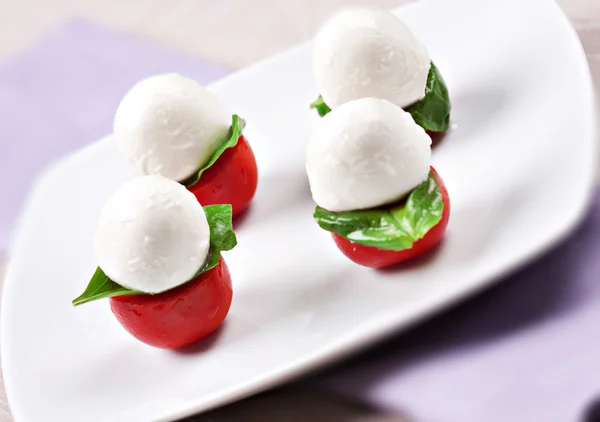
point(179, 24)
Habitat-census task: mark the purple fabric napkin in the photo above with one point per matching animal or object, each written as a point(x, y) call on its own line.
point(527, 350)
point(63, 92)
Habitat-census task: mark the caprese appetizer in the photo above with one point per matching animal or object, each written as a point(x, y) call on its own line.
point(368, 165)
point(159, 262)
point(361, 53)
point(169, 125)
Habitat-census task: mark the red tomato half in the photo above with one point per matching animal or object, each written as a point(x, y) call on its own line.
point(180, 316)
point(370, 256)
point(231, 180)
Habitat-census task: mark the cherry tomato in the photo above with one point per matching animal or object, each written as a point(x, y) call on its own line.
point(436, 137)
point(181, 316)
point(370, 256)
point(231, 180)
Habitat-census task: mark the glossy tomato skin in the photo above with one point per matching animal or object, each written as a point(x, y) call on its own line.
point(181, 316)
point(231, 180)
point(370, 256)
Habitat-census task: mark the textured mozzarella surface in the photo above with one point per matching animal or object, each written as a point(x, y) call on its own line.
point(362, 53)
point(366, 153)
point(170, 125)
point(152, 235)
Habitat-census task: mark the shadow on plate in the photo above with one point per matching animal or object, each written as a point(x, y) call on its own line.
point(418, 262)
point(475, 111)
point(204, 344)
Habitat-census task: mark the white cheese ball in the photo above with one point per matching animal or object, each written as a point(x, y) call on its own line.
point(364, 154)
point(362, 53)
point(152, 235)
point(170, 125)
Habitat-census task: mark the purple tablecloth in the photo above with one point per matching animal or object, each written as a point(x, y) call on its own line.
point(527, 350)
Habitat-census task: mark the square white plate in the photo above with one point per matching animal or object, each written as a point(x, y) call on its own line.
point(519, 166)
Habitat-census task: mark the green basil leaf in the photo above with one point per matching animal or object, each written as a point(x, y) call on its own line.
point(222, 238)
point(100, 287)
point(320, 106)
point(235, 131)
point(432, 112)
point(395, 228)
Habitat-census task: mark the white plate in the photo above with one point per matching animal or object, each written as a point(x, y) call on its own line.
point(519, 167)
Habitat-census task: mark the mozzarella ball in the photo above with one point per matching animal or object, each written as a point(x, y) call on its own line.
point(170, 125)
point(362, 53)
point(152, 235)
point(365, 154)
